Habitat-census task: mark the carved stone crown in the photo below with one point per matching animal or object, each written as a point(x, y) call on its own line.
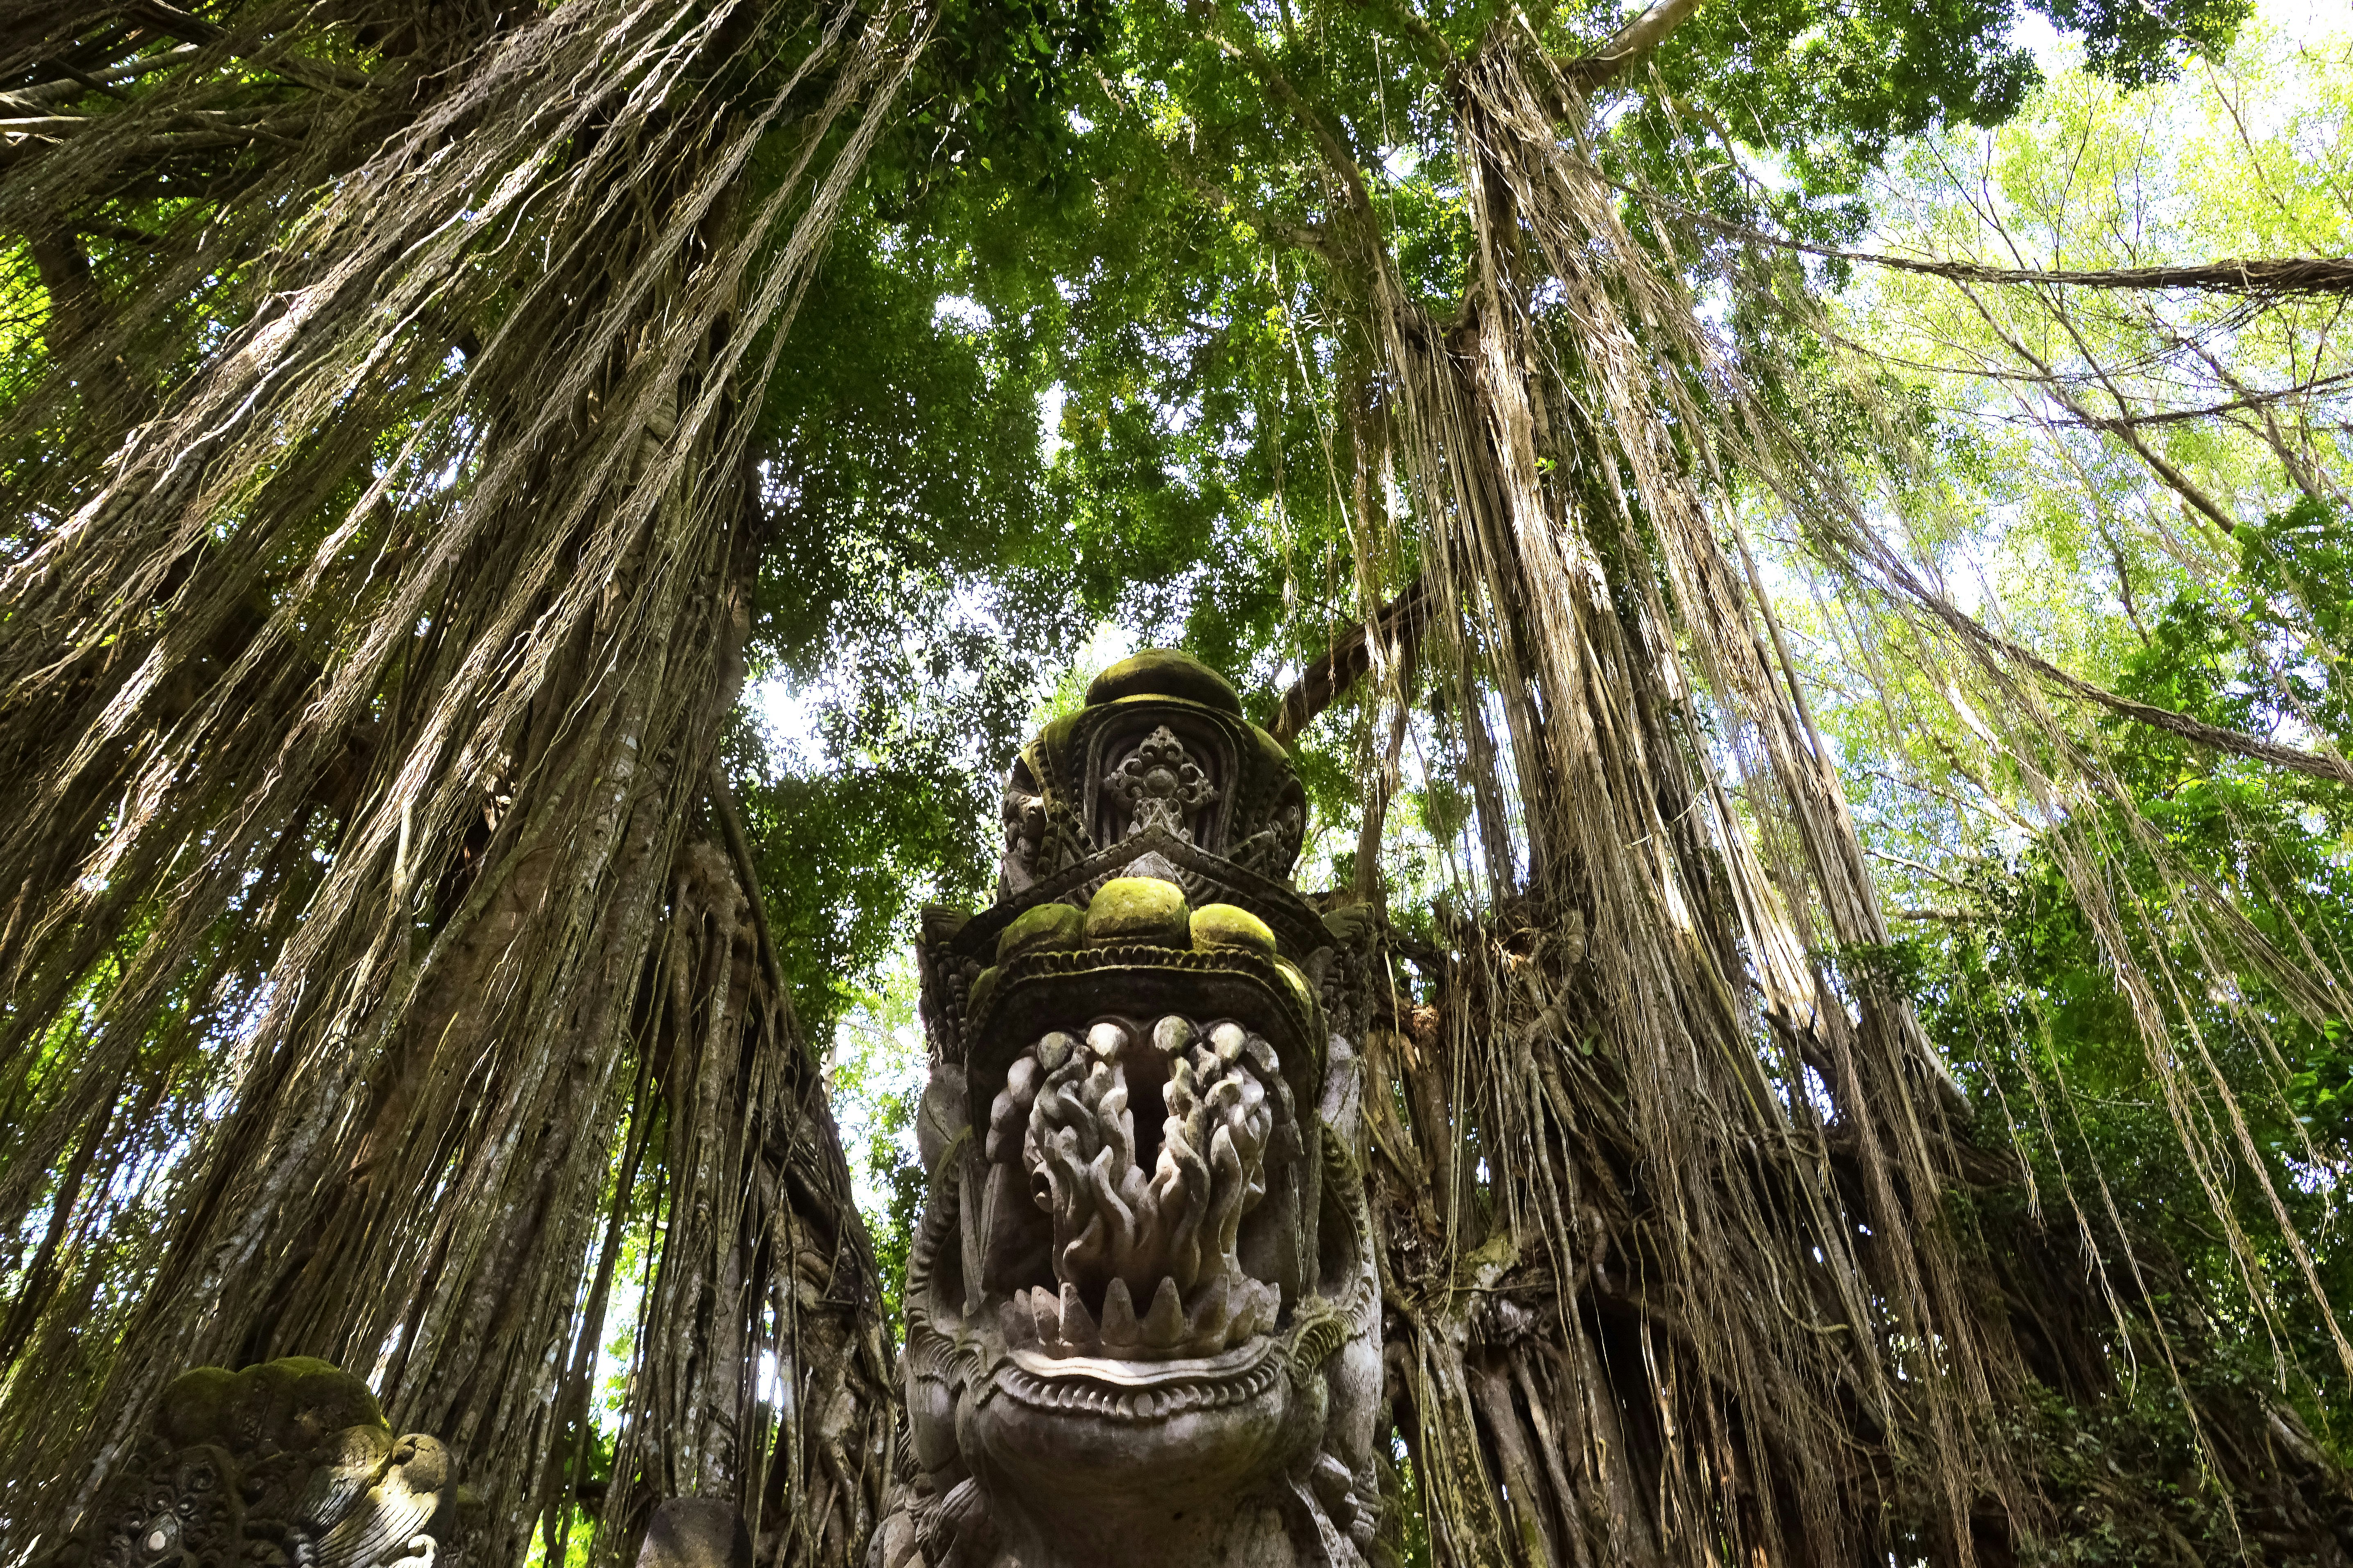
point(1160, 748)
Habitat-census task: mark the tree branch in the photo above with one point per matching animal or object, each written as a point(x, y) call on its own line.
point(1436, 52)
point(2214, 737)
point(323, 76)
point(2180, 482)
point(2259, 275)
point(1335, 151)
point(1628, 44)
point(170, 19)
point(1399, 624)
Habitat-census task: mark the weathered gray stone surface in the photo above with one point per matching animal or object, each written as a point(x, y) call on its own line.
point(696, 1532)
point(288, 1464)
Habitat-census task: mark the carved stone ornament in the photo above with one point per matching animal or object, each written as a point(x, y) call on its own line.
point(1157, 785)
point(1142, 1313)
point(287, 1463)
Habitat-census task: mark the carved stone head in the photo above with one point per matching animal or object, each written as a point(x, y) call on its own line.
point(288, 1464)
point(1142, 1314)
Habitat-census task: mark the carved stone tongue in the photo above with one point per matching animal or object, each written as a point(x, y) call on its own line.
point(1157, 1247)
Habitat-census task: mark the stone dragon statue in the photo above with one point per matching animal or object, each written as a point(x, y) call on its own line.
point(1143, 1310)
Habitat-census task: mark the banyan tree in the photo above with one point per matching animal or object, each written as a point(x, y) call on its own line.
point(1618, 1004)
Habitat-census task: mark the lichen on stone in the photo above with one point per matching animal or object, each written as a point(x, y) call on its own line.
point(1230, 925)
point(1139, 909)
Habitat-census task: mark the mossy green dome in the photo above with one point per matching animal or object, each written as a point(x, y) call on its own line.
point(1228, 925)
point(1164, 672)
point(1300, 992)
point(292, 1402)
point(1048, 928)
point(984, 986)
point(1139, 909)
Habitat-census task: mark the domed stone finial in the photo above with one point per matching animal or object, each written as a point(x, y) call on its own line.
point(1164, 672)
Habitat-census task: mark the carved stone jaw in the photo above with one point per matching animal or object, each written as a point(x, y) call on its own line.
point(1145, 1151)
point(1093, 1460)
point(1259, 1453)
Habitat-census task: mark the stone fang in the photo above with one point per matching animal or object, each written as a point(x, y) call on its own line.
point(1163, 1325)
point(1078, 1325)
point(1120, 1329)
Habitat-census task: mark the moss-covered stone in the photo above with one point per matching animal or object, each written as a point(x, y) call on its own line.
point(1300, 989)
point(290, 1404)
point(1230, 925)
point(984, 986)
point(1351, 922)
point(1048, 928)
point(197, 1405)
point(1139, 909)
point(1164, 672)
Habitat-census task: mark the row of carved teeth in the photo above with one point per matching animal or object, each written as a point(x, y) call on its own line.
point(1227, 1312)
point(1087, 1398)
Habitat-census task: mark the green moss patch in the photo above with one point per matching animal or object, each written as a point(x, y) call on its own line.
point(984, 986)
point(1229, 925)
point(1139, 909)
point(1048, 928)
point(1300, 991)
point(1164, 672)
point(278, 1405)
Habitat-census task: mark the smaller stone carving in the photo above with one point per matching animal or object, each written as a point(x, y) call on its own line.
point(1024, 814)
point(289, 1464)
point(696, 1532)
point(1158, 784)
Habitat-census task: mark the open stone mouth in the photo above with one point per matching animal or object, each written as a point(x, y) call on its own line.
point(1145, 1149)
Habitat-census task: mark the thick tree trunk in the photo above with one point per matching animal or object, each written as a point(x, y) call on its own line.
point(398, 641)
point(773, 1386)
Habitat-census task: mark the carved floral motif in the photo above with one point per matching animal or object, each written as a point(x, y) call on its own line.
point(1158, 784)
